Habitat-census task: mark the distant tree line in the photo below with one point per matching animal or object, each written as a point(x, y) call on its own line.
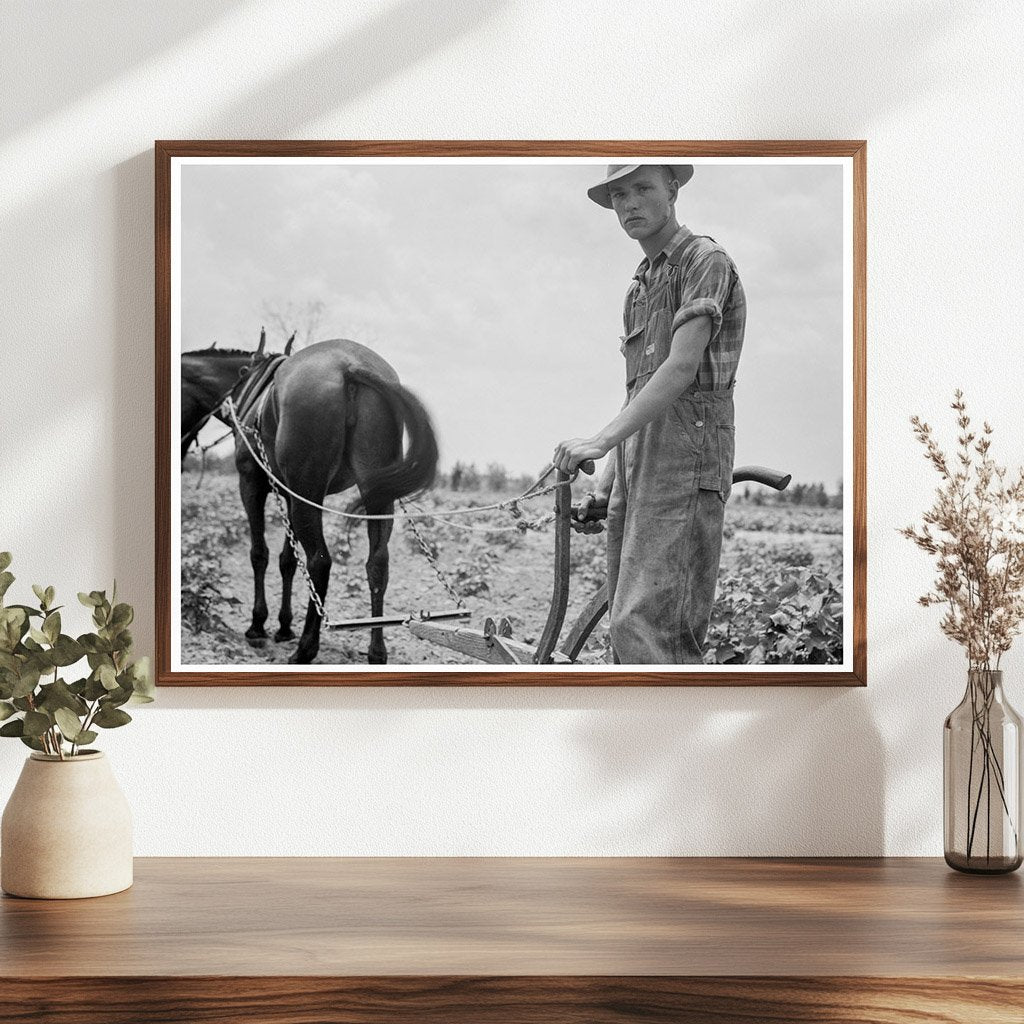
point(495, 478)
point(465, 476)
point(808, 495)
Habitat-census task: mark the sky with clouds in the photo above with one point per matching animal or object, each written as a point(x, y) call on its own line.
point(495, 290)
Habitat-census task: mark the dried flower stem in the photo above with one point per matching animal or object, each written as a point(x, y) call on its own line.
point(975, 530)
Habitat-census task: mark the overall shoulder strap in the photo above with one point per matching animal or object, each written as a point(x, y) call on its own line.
point(681, 260)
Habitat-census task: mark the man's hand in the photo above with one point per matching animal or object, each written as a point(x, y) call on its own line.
point(569, 454)
point(593, 505)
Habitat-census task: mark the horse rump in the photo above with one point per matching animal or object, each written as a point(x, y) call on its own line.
point(416, 467)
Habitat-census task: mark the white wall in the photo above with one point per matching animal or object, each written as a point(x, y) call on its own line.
point(937, 90)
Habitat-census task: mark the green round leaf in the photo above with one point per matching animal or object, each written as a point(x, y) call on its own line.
point(36, 723)
point(142, 677)
point(69, 724)
point(51, 627)
point(94, 689)
point(110, 718)
point(67, 651)
point(59, 695)
point(122, 616)
point(27, 681)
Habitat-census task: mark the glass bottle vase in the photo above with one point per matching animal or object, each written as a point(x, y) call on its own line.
point(981, 773)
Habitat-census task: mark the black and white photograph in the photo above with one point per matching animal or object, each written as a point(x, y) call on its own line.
point(492, 414)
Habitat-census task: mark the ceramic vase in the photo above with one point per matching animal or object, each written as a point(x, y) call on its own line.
point(66, 831)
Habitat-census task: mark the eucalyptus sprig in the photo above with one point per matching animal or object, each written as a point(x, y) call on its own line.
point(54, 716)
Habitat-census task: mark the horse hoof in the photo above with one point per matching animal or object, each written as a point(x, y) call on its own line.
point(376, 659)
point(298, 658)
point(283, 634)
point(256, 641)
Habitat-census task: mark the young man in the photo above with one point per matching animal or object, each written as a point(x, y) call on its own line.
point(667, 484)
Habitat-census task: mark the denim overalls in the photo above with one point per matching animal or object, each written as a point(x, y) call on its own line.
point(673, 477)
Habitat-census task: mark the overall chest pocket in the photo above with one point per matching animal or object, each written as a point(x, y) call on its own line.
point(646, 347)
point(632, 349)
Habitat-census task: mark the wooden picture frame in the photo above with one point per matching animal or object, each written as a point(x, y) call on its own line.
point(489, 638)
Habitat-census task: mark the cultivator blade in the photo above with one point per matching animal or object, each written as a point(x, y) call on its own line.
point(376, 621)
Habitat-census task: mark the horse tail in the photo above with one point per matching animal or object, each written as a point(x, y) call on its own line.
point(416, 468)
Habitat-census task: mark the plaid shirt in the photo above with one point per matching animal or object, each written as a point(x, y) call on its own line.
point(692, 276)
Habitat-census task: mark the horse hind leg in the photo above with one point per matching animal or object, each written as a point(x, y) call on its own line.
point(377, 571)
point(307, 522)
point(287, 563)
point(254, 488)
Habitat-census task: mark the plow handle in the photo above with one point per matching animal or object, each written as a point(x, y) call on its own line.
point(740, 475)
point(761, 475)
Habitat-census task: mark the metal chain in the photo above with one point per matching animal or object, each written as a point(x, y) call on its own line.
point(432, 559)
point(300, 557)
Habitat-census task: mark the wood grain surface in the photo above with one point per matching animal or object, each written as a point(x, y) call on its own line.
point(512, 1000)
point(523, 939)
point(166, 150)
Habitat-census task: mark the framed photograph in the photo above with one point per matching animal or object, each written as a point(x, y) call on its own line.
point(492, 413)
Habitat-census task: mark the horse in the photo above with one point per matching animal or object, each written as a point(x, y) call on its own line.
point(330, 417)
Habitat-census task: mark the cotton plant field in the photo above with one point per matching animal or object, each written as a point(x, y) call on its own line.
point(779, 596)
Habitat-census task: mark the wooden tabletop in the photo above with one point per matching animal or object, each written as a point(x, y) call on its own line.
point(506, 918)
point(369, 916)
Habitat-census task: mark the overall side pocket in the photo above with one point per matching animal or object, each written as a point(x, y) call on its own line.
point(718, 456)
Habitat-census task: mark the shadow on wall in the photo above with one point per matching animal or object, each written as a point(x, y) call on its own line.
point(678, 779)
point(384, 46)
point(49, 47)
point(811, 56)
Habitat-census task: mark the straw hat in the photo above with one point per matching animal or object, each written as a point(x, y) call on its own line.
point(599, 193)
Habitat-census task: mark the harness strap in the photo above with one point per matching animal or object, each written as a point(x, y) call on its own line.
point(256, 386)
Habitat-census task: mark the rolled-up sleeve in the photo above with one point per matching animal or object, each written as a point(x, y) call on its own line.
point(705, 291)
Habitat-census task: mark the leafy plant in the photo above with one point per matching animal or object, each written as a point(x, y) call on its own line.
point(471, 575)
point(211, 525)
point(798, 621)
point(205, 586)
point(57, 717)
